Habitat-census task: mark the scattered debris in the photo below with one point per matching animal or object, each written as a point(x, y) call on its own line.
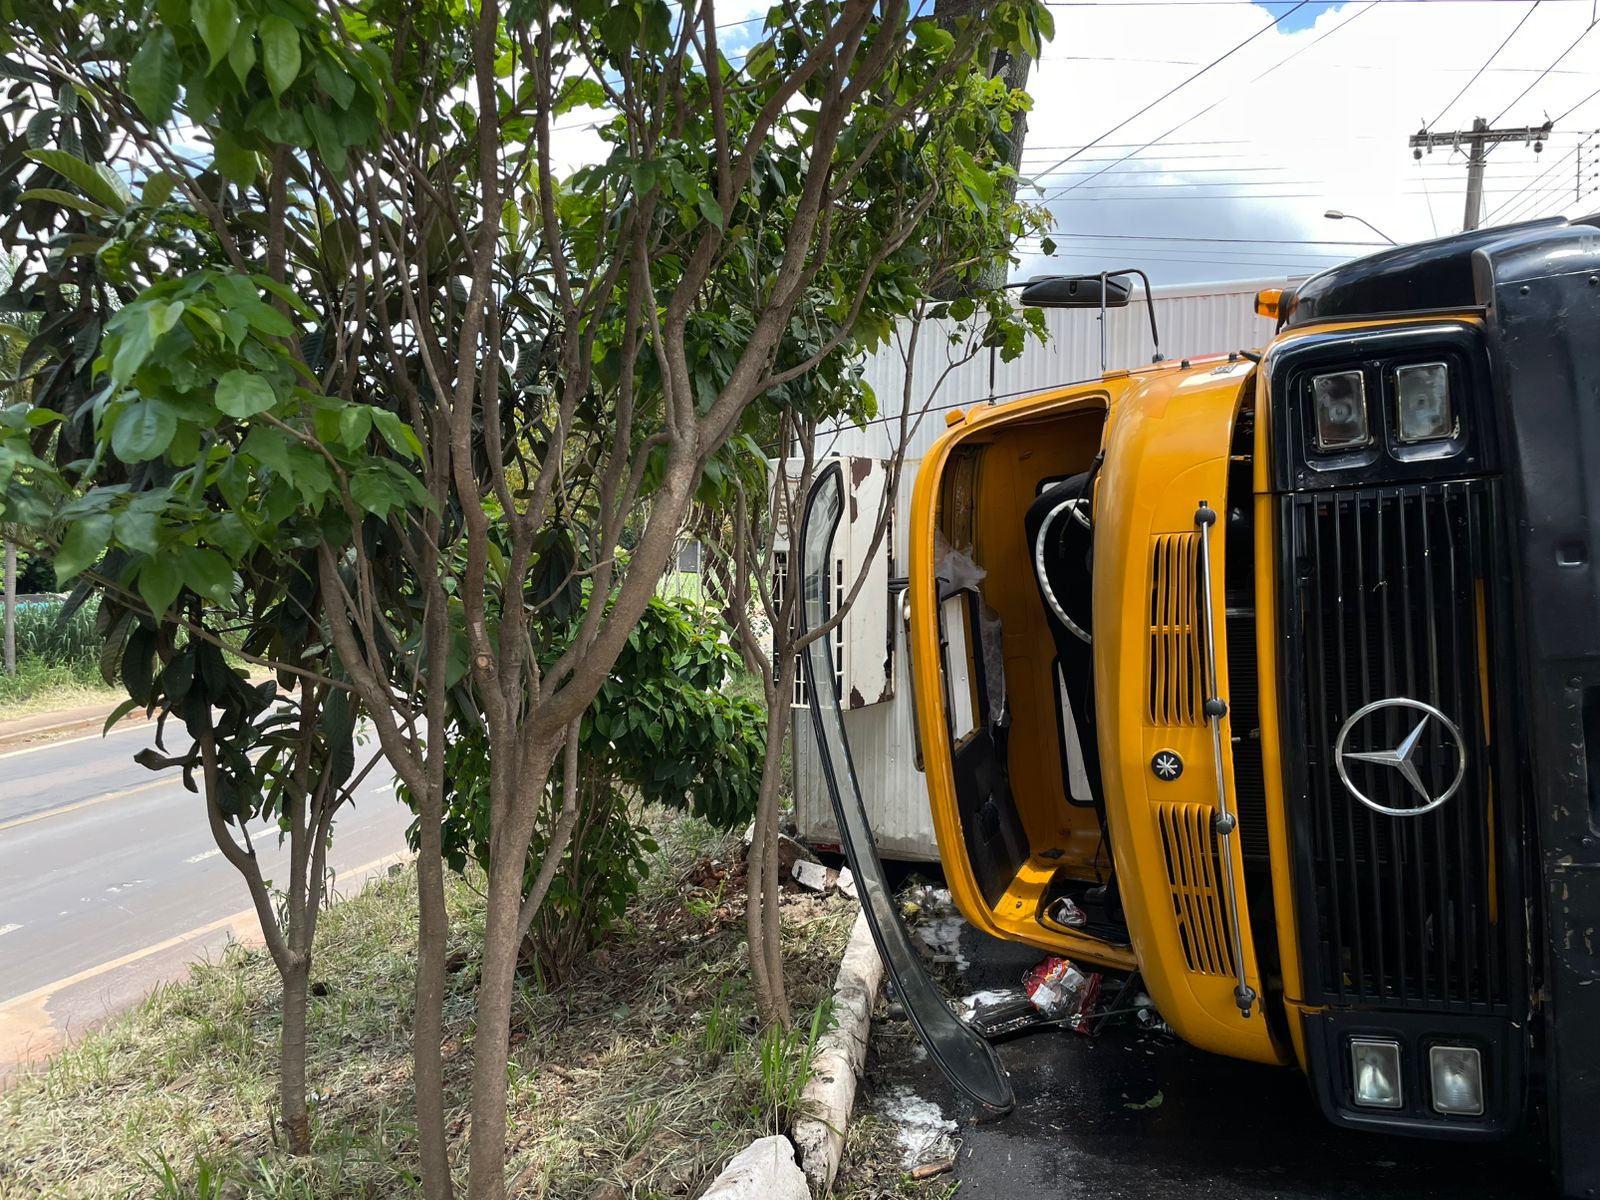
point(1154, 1102)
point(1062, 992)
point(813, 875)
point(925, 1136)
point(1067, 914)
point(790, 851)
point(929, 1170)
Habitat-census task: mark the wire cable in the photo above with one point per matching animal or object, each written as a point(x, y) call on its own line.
point(1368, 7)
point(1485, 67)
point(1578, 105)
point(1511, 201)
point(1276, 21)
point(1542, 74)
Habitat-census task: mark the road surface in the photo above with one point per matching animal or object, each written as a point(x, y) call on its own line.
point(110, 881)
point(1135, 1115)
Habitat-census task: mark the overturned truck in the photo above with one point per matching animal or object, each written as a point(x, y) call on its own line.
point(1283, 668)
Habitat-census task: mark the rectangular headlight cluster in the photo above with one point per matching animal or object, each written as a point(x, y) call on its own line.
point(1423, 411)
point(1339, 400)
point(1455, 1077)
point(1423, 408)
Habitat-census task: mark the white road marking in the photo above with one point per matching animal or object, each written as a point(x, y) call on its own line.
point(5, 929)
point(92, 737)
point(194, 858)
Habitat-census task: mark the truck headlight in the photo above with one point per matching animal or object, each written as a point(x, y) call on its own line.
point(1423, 411)
point(1457, 1073)
point(1376, 1069)
point(1339, 403)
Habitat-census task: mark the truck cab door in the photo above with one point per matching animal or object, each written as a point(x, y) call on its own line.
point(965, 1057)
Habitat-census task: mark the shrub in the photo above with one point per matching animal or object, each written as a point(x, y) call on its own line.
point(664, 730)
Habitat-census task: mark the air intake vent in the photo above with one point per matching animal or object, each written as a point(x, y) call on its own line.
point(1195, 875)
point(1175, 682)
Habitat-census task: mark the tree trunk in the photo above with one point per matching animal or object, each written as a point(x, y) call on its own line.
point(491, 1043)
point(428, 1027)
point(292, 1056)
point(11, 607)
point(761, 870)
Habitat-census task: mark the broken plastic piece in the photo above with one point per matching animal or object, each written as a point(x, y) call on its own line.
point(1062, 992)
point(1065, 913)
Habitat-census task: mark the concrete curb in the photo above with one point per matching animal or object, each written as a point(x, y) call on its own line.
point(763, 1170)
point(841, 1055)
point(56, 726)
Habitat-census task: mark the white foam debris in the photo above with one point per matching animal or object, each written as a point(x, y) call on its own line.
point(942, 936)
point(920, 1127)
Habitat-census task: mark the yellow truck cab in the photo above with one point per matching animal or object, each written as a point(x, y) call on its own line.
point(1274, 676)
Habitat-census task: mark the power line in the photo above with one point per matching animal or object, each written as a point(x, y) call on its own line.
point(1485, 66)
point(1368, 7)
point(1168, 237)
point(1578, 105)
point(1543, 73)
point(1506, 204)
point(1276, 21)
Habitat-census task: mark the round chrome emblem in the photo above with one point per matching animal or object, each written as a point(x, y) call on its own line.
point(1402, 758)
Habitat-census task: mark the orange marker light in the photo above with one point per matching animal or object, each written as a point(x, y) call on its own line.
point(1267, 302)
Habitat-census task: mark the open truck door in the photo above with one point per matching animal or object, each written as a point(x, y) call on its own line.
point(960, 1052)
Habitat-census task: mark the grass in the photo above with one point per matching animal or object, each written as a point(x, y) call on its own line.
point(58, 662)
point(644, 1072)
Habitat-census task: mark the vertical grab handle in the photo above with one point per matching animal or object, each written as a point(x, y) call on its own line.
point(1224, 822)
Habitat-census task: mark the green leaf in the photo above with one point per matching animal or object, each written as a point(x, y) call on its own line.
point(82, 547)
point(143, 431)
point(237, 164)
point(375, 492)
point(121, 710)
point(241, 394)
point(217, 21)
point(68, 200)
point(163, 316)
point(139, 529)
point(159, 582)
point(153, 77)
point(157, 190)
point(87, 179)
point(268, 320)
point(355, 422)
point(208, 573)
point(280, 53)
point(242, 57)
point(710, 209)
point(400, 437)
point(271, 449)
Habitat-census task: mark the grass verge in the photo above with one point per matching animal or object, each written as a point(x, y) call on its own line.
point(637, 1079)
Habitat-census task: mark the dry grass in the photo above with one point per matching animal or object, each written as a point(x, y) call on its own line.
point(644, 1072)
point(49, 689)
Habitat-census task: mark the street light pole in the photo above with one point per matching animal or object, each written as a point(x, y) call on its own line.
point(1333, 214)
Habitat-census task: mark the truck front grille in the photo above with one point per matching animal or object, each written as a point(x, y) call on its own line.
point(1393, 595)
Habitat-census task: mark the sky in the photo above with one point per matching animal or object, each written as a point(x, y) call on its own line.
point(1205, 139)
point(1229, 176)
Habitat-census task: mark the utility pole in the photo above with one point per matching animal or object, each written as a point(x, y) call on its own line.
point(1479, 140)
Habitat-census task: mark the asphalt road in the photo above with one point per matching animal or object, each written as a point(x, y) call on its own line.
point(110, 880)
point(1136, 1114)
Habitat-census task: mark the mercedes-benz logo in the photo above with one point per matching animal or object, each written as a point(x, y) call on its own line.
point(1401, 758)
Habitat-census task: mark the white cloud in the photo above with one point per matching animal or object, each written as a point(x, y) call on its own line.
point(1327, 130)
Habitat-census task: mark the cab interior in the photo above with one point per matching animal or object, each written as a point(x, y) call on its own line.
point(1012, 568)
